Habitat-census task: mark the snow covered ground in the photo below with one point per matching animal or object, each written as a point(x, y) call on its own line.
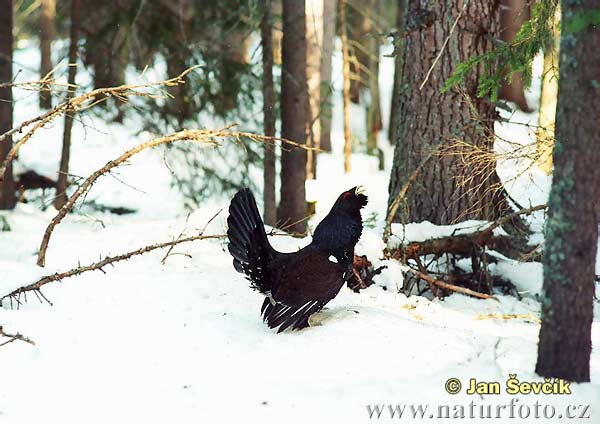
point(183, 341)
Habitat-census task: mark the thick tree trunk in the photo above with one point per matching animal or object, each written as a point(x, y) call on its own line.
point(346, 92)
point(548, 99)
point(445, 190)
point(513, 13)
point(572, 225)
point(63, 174)
point(7, 185)
point(329, 7)
point(293, 209)
point(47, 14)
point(266, 27)
point(314, 42)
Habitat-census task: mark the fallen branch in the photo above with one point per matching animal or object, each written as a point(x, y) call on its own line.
point(449, 286)
point(471, 246)
point(35, 287)
point(13, 337)
point(465, 244)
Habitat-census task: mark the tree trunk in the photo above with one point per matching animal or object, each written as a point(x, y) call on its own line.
point(266, 27)
point(314, 41)
point(445, 190)
point(374, 107)
point(7, 185)
point(513, 13)
point(277, 14)
point(62, 183)
point(326, 89)
point(361, 29)
point(47, 14)
point(293, 209)
point(346, 94)
point(401, 5)
point(572, 225)
point(548, 99)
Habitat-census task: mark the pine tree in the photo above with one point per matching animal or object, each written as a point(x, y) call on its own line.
point(293, 208)
point(437, 41)
point(572, 224)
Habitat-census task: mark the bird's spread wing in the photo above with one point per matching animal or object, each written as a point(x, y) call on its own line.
point(307, 281)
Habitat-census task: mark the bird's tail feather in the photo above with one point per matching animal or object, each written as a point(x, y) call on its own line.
point(248, 243)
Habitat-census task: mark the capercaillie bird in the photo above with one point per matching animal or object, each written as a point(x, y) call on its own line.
point(298, 284)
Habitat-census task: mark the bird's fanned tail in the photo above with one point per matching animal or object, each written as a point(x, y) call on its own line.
point(248, 242)
point(282, 316)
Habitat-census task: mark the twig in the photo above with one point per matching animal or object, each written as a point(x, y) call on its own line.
point(484, 233)
point(121, 91)
point(58, 276)
point(437, 58)
point(449, 286)
point(13, 337)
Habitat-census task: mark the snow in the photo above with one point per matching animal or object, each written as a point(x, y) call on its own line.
point(183, 341)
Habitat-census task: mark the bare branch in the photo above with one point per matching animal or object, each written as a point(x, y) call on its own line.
point(449, 286)
point(13, 337)
point(109, 260)
point(199, 136)
point(79, 103)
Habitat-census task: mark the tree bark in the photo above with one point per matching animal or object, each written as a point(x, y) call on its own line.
point(445, 190)
point(47, 15)
point(513, 13)
point(572, 225)
point(329, 7)
point(292, 208)
point(346, 77)
point(266, 28)
point(63, 173)
point(314, 41)
point(7, 185)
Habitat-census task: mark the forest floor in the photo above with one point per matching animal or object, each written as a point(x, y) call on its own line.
point(182, 341)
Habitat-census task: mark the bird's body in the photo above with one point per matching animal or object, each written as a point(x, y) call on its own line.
point(297, 284)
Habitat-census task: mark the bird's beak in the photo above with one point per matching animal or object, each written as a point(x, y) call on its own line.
point(359, 190)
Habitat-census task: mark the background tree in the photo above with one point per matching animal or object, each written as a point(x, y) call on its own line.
point(513, 13)
point(314, 44)
point(7, 187)
point(347, 83)
point(572, 225)
point(47, 15)
point(548, 99)
point(437, 39)
point(398, 41)
point(269, 117)
point(292, 208)
point(63, 173)
point(329, 9)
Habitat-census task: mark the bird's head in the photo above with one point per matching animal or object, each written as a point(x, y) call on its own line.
point(352, 200)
